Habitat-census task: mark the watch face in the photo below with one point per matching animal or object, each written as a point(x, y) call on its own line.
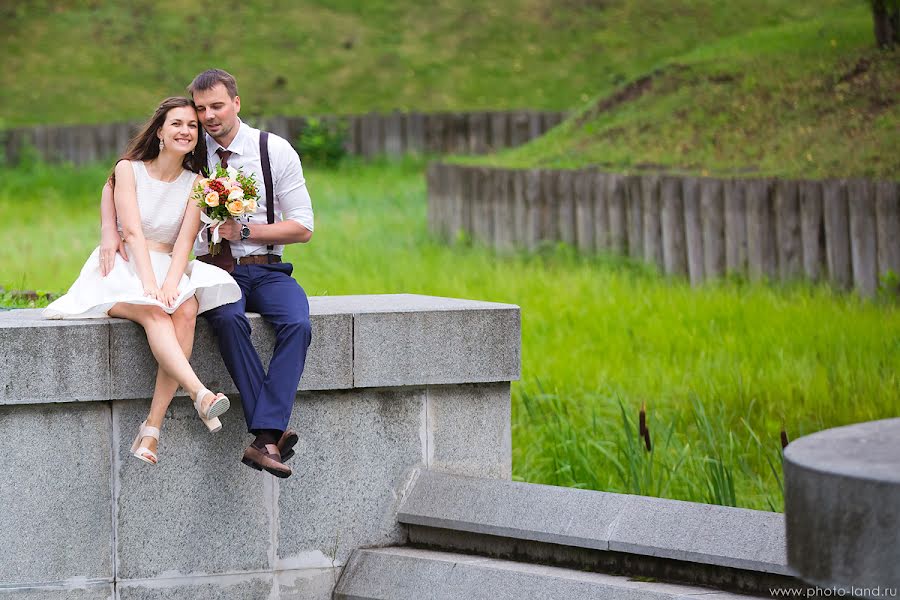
point(245, 232)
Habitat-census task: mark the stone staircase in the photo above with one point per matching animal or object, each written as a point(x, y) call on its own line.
point(473, 538)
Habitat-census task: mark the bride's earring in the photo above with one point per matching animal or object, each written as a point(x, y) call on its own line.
point(161, 145)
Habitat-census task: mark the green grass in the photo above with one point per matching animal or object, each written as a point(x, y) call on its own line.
point(808, 98)
point(722, 369)
point(86, 61)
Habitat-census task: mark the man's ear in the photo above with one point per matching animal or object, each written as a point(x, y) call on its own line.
point(237, 104)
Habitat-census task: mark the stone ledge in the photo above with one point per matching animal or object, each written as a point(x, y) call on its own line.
point(685, 531)
point(412, 574)
point(358, 341)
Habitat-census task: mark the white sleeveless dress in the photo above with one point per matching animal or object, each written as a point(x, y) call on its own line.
point(161, 205)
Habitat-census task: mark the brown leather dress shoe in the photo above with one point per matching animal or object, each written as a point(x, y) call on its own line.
point(286, 444)
point(268, 458)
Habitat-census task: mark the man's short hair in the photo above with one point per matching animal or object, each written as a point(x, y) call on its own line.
point(211, 78)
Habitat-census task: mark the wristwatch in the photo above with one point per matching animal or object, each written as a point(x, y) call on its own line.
point(245, 231)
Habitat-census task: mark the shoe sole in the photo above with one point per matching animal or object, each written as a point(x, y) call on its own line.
point(219, 408)
point(289, 448)
point(257, 467)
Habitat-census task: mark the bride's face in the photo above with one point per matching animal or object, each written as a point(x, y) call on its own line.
point(180, 130)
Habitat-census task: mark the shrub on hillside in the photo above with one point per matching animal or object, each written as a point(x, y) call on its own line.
point(322, 143)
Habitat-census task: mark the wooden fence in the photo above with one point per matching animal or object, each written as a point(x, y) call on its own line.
point(367, 135)
point(845, 231)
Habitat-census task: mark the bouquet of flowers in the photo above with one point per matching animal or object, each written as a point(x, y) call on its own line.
point(227, 192)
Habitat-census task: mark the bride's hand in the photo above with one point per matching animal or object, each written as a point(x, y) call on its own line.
point(152, 291)
point(168, 294)
point(110, 244)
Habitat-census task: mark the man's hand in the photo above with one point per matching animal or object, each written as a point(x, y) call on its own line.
point(230, 230)
point(110, 244)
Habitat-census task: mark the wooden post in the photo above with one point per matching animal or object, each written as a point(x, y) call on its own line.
point(550, 205)
point(634, 216)
point(600, 195)
point(434, 133)
point(415, 133)
point(434, 193)
point(812, 229)
point(519, 208)
point(615, 196)
point(393, 133)
point(837, 232)
point(458, 140)
point(787, 230)
point(14, 140)
point(532, 232)
point(518, 133)
point(535, 125)
point(735, 227)
point(761, 259)
point(652, 235)
point(712, 205)
point(483, 215)
point(122, 136)
point(455, 177)
point(468, 191)
point(499, 130)
point(863, 236)
point(296, 125)
point(478, 133)
point(887, 209)
point(372, 141)
point(503, 204)
point(672, 226)
point(693, 230)
point(106, 141)
point(584, 210)
point(565, 203)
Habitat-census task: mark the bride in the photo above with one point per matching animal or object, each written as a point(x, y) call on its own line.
point(157, 287)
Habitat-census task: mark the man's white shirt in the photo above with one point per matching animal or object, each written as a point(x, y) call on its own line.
point(292, 201)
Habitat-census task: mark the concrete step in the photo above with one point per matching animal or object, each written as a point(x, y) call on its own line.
point(404, 573)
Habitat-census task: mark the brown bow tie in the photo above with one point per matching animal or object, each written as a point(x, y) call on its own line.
point(223, 156)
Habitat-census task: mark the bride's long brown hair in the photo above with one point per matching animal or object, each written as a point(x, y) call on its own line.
point(145, 145)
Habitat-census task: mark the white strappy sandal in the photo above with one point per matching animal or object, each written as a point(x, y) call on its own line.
point(218, 407)
point(142, 452)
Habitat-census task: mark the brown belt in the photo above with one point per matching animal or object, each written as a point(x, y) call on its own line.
point(258, 259)
point(253, 259)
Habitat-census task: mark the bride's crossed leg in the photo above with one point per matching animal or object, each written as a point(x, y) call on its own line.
point(171, 339)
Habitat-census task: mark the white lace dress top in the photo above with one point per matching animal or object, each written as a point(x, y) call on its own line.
point(161, 203)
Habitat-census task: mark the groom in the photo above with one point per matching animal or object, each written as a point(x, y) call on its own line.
point(266, 282)
point(253, 256)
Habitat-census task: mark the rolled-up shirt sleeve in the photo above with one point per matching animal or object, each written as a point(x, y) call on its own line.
point(290, 185)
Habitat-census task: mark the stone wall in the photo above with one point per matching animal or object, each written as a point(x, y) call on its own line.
point(393, 384)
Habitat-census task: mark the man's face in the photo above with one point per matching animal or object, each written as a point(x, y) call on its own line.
point(217, 111)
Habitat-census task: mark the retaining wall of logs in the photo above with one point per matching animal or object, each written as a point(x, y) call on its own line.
point(368, 135)
point(843, 231)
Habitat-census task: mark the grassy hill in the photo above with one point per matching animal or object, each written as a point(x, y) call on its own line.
point(84, 61)
point(807, 98)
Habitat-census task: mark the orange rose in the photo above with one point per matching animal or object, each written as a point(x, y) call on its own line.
point(235, 207)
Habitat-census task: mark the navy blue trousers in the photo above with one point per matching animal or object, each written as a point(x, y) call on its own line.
point(270, 291)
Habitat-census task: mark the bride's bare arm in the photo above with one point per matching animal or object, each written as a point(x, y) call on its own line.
point(110, 240)
point(190, 226)
point(129, 215)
